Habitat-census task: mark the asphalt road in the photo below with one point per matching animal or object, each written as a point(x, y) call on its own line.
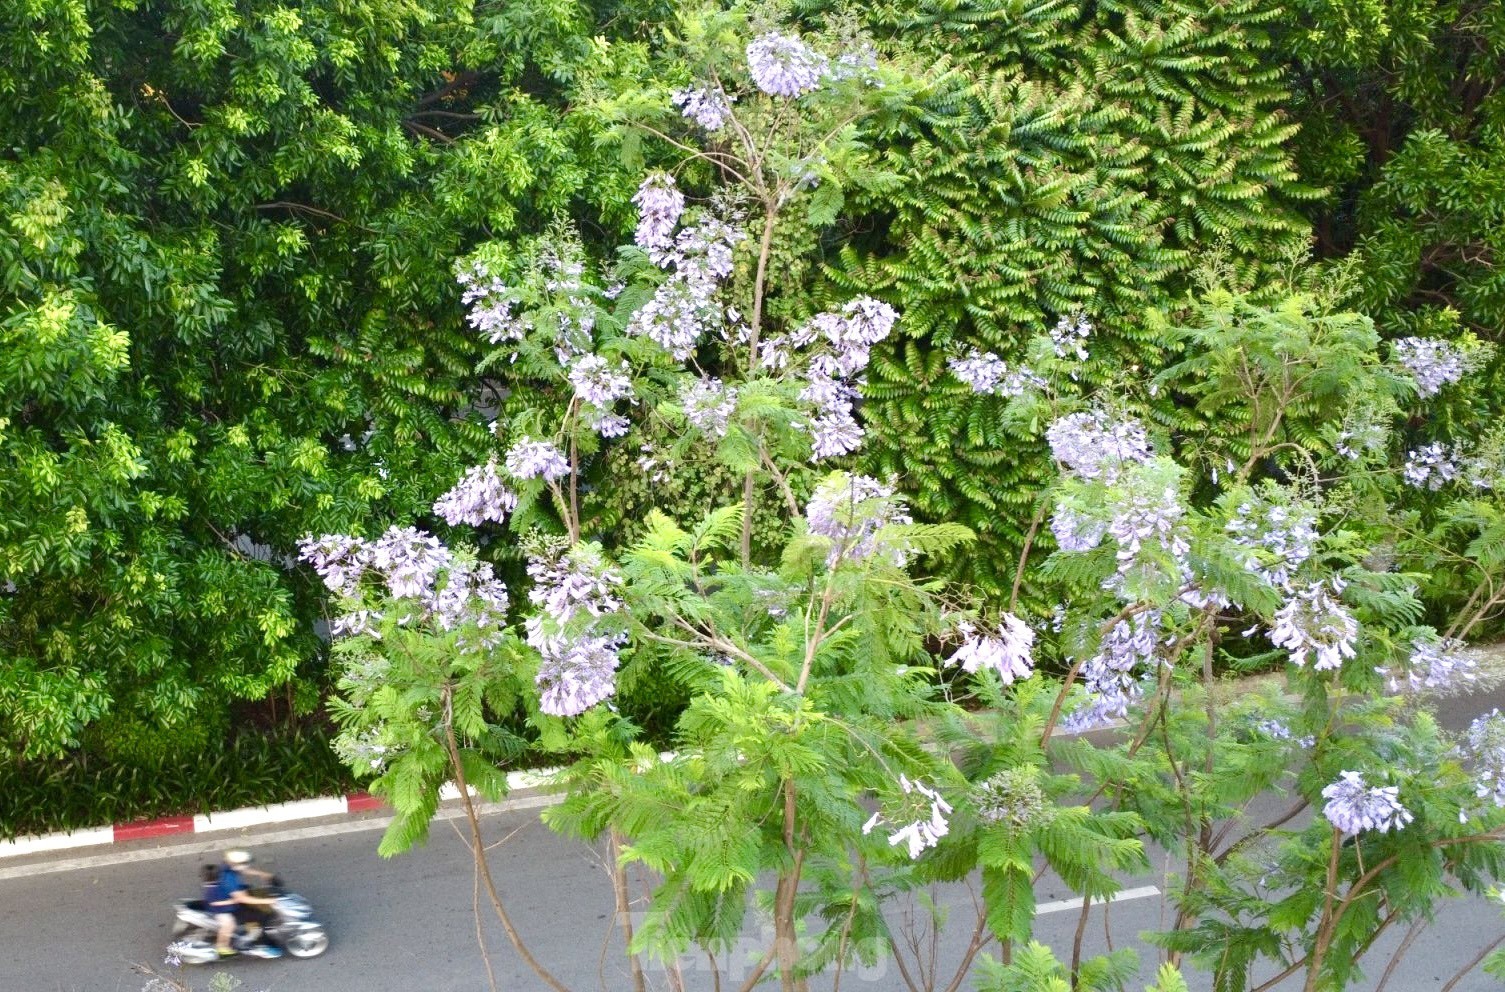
point(409, 925)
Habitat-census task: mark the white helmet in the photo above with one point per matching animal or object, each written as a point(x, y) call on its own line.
point(238, 858)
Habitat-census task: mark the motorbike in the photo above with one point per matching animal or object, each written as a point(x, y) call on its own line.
point(288, 927)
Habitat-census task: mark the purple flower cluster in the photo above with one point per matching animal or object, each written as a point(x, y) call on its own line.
point(476, 498)
point(1108, 676)
point(1007, 652)
point(1431, 466)
point(852, 510)
point(1147, 512)
point(924, 832)
point(1075, 531)
point(783, 65)
point(597, 383)
point(1361, 437)
point(1354, 807)
point(1432, 362)
point(1485, 745)
point(834, 374)
point(1314, 624)
point(1092, 446)
point(683, 307)
point(490, 304)
point(1069, 337)
point(1280, 538)
point(1435, 663)
point(415, 567)
point(660, 204)
point(709, 108)
point(990, 375)
point(530, 459)
point(575, 593)
point(709, 405)
point(1276, 730)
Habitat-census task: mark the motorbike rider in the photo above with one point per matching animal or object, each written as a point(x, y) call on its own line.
point(234, 897)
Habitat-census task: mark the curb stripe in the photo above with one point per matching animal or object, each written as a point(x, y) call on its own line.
point(238, 819)
point(142, 829)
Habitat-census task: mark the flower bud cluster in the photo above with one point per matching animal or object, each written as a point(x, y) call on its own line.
point(1354, 807)
point(1013, 798)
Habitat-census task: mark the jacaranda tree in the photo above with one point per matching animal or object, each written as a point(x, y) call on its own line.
point(830, 756)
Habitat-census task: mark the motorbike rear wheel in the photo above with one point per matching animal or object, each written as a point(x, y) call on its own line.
point(309, 944)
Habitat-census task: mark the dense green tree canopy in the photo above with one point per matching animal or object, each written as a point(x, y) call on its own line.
point(228, 318)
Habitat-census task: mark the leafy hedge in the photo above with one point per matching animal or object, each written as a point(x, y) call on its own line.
point(250, 769)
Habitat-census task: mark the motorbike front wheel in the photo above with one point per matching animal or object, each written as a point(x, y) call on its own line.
point(309, 944)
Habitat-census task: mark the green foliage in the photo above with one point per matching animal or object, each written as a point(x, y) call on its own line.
point(252, 768)
point(227, 319)
point(1073, 158)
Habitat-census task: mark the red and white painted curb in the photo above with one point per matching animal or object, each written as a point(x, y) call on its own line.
point(235, 819)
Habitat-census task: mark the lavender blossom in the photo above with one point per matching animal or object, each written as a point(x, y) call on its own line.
point(860, 64)
point(1007, 652)
point(1279, 539)
point(1069, 335)
point(1093, 447)
point(990, 375)
point(1275, 730)
point(597, 383)
point(1313, 623)
point(576, 673)
point(339, 559)
point(852, 510)
point(608, 424)
point(530, 459)
point(490, 302)
point(1431, 466)
point(709, 108)
point(410, 560)
point(684, 307)
point(575, 592)
point(709, 405)
point(1148, 514)
point(1076, 531)
point(1485, 745)
point(659, 204)
point(1435, 663)
point(1108, 676)
point(783, 65)
point(1432, 362)
point(924, 832)
point(1353, 807)
point(476, 498)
